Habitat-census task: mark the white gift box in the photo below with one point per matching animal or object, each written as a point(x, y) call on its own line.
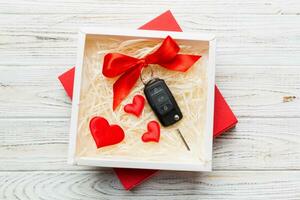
point(169, 153)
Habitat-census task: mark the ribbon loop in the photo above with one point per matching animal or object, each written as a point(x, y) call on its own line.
point(116, 64)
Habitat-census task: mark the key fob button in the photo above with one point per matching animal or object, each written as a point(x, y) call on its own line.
point(165, 108)
point(161, 98)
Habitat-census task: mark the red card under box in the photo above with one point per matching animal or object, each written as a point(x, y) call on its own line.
point(224, 118)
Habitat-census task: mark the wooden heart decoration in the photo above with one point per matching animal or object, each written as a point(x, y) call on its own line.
point(105, 134)
point(153, 133)
point(137, 105)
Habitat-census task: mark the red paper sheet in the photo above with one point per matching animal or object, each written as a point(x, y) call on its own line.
point(224, 118)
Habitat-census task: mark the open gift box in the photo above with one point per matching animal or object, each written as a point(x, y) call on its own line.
point(93, 96)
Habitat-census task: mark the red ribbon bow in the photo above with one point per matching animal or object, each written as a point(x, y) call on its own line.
point(166, 56)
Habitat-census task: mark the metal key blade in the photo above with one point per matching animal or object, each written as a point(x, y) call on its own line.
point(183, 140)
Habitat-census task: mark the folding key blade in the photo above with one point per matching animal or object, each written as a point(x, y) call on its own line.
point(183, 140)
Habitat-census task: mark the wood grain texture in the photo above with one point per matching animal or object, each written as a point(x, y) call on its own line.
point(250, 91)
point(42, 39)
point(258, 72)
point(167, 185)
point(135, 7)
point(255, 144)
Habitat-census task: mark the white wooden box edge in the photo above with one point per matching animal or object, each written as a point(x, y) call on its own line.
point(76, 97)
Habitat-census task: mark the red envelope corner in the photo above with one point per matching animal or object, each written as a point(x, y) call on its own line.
point(224, 118)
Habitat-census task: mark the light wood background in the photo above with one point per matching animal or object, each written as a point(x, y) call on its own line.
point(258, 72)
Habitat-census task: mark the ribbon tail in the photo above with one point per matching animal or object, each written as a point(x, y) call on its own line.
point(181, 62)
point(124, 84)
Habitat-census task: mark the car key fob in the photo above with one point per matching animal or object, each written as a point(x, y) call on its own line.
point(162, 102)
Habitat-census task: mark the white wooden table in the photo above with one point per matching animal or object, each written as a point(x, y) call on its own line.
point(258, 71)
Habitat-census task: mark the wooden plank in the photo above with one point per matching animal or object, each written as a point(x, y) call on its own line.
point(167, 185)
point(261, 91)
point(250, 91)
point(245, 40)
point(23, 95)
point(255, 144)
point(34, 144)
point(220, 7)
point(290, 7)
point(142, 7)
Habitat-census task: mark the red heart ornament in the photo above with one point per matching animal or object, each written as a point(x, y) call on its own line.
point(153, 133)
point(105, 134)
point(137, 105)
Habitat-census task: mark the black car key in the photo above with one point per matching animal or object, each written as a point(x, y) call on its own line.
point(162, 102)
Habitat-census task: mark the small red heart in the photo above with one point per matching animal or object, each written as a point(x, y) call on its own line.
point(105, 134)
point(153, 133)
point(137, 105)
